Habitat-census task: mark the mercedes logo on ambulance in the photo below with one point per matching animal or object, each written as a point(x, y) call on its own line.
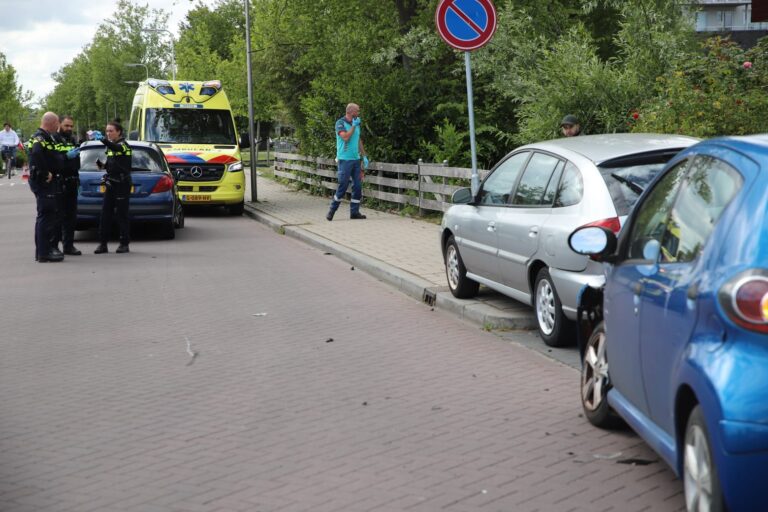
point(197, 172)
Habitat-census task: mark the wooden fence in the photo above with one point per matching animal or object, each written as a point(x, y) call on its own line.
point(427, 186)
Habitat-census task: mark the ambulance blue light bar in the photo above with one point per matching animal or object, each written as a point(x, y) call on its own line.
point(210, 87)
point(161, 86)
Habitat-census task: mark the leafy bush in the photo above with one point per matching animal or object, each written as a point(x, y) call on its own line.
point(720, 91)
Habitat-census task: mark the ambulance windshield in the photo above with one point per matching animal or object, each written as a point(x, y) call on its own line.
point(191, 126)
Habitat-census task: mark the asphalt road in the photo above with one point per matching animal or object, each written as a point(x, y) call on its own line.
point(237, 369)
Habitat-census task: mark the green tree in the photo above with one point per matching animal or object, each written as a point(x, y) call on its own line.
point(13, 98)
point(720, 91)
point(92, 88)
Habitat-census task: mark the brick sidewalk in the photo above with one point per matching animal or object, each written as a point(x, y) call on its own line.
point(402, 251)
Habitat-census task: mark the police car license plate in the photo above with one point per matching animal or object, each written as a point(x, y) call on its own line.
point(103, 188)
point(196, 197)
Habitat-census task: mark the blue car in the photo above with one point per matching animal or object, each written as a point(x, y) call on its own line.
point(153, 197)
point(678, 347)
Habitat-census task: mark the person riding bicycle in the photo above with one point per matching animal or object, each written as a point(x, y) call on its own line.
point(8, 142)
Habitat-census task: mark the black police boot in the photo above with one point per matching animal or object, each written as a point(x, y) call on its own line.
point(71, 250)
point(357, 216)
point(52, 257)
point(56, 252)
point(101, 249)
point(123, 248)
point(329, 216)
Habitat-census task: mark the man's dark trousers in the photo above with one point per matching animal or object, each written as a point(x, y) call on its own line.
point(67, 218)
point(45, 197)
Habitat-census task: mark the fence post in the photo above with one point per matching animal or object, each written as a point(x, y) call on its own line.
point(445, 164)
point(418, 174)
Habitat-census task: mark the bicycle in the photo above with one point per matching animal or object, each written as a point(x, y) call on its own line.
point(7, 152)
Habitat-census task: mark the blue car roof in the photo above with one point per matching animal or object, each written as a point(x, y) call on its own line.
point(751, 145)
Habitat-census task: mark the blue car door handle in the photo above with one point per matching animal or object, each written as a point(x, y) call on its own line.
point(637, 288)
point(693, 291)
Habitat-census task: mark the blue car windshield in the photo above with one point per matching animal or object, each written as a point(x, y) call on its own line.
point(142, 159)
point(190, 125)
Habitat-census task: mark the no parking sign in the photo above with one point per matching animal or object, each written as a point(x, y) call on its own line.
point(467, 25)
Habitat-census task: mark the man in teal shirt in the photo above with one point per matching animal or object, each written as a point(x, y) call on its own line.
point(349, 150)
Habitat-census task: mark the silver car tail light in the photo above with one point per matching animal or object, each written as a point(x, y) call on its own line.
point(613, 223)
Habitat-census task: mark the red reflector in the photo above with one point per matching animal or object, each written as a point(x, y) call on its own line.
point(749, 300)
point(164, 184)
point(613, 224)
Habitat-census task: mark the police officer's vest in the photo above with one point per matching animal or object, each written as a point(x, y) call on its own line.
point(125, 150)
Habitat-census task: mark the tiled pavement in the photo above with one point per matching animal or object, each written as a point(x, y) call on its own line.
point(199, 375)
point(402, 251)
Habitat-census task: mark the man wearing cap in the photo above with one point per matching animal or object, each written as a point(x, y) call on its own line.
point(570, 126)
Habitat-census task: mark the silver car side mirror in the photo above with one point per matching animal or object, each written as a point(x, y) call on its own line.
point(462, 196)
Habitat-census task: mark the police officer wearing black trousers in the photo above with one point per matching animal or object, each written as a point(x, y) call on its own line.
point(44, 161)
point(117, 183)
point(69, 181)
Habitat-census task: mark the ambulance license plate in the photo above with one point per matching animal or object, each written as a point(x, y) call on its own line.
point(196, 197)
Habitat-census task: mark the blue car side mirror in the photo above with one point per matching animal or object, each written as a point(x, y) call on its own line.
point(594, 241)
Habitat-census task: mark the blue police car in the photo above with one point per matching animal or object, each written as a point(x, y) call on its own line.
point(678, 347)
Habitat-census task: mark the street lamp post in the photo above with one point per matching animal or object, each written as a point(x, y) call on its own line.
point(254, 163)
point(173, 53)
point(137, 65)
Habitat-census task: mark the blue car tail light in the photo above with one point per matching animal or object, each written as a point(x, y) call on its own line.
point(745, 299)
point(164, 184)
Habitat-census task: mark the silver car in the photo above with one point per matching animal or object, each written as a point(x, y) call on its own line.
point(513, 236)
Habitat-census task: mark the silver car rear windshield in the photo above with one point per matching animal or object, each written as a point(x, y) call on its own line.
point(627, 177)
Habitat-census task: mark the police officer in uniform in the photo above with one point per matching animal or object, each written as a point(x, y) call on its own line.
point(69, 181)
point(117, 183)
point(44, 160)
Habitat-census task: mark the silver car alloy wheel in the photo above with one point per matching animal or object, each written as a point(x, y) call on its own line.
point(594, 374)
point(697, 471)
point(452, 266)
point(545, 306)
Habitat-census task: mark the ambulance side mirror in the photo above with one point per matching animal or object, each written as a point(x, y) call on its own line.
point(244, 141)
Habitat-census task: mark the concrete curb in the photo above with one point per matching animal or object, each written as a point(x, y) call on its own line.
point(420, 289)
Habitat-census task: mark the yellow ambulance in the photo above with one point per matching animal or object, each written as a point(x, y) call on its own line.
point(192, 122)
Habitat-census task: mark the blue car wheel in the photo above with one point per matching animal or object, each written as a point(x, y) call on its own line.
point(595, 381)
point(700, 480)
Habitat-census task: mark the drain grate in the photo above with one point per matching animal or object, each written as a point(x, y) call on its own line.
point(429, 297)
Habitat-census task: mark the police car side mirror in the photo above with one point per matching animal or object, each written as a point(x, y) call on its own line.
point(134, 135)
point(245, 141)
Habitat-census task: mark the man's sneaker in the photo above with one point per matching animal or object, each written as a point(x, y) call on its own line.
point(56, 253)
point(356, 216)
point(72, 251)
point(101, 249)
point(123, 248)
point(330, 214)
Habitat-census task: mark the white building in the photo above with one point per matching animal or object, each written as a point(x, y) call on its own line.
point(733, 17)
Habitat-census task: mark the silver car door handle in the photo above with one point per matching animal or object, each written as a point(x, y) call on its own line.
point(491, 226)
point(533, 232)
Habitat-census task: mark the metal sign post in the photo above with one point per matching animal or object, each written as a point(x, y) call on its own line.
point(475, 182)
point(467, 25)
